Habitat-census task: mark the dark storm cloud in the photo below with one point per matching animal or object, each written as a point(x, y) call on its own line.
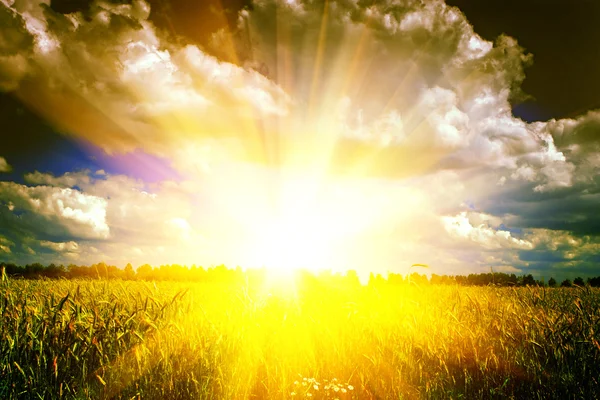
point(553, 264)
point(577, 137)
point(541, 256)
point(186, 20)
point(572, 209)
point(15, 45)
point(563, 35)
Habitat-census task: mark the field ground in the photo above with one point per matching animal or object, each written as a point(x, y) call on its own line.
point(309, 339)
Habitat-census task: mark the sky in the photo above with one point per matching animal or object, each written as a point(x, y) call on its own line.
point(302, 134)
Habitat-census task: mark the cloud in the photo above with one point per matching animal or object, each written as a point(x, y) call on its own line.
point(486, 242)
point(561, 253)
point(68, 180)
point(132, 210)
point(548, 166)
point(94, 217)
point(416, 77)
point(16, 43)
point(4, 166)
point(122, 87)
point(5, 245)
point(420, 90)
point(577, 139)
point(163, 97)
point(398, 112)
point(54, 211)
point(62, 247)
point(570, 245)
point(563, 178)
point(483, 230)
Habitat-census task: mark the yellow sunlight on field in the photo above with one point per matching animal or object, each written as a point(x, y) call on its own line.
point(321, 337)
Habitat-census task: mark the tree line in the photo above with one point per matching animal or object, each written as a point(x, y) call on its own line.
point(483, 279)
point(102, 270)
point(176, 272)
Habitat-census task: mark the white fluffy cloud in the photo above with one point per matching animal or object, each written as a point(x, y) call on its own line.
point(412, 79)
point(123, 87)
point(61, 247)
point(113, 218)
point(483, 230)
point(414, 82)
point(132, 210)
point(420, 62)
point(415, 78)
point(59, 210)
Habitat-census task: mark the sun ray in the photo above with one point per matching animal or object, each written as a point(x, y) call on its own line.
point(317, 68)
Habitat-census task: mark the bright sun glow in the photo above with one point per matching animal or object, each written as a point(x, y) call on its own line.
point(291, 244)
point(319, 224)
point(297, 231)
point(294, 220)
point(291, 157)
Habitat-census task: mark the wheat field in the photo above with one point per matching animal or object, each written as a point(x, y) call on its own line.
point(304, 338)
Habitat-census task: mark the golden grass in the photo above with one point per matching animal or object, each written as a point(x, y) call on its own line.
point(123, 339)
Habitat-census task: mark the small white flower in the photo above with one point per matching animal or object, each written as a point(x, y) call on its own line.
point(350, 387)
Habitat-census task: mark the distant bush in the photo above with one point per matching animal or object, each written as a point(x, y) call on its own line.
point(566, 283)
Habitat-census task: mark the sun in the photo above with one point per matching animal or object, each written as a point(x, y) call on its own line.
point(313, 222)
point(292, 242)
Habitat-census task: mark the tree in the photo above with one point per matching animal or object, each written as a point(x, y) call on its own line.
point(528, 280)
point(418, 279)
point(100, 270)
point(566, 283)
point(352, 277)
point(578, 281)
point(128, 272)
point(594, 282)
point(55, 271)
point(552, 282)
point(144, 272)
